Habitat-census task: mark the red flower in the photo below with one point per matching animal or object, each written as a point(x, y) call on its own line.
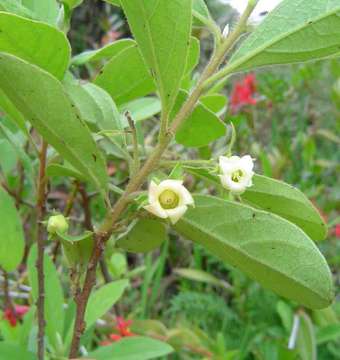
point(13, 315)
point(122, 327)
point(243, 93)
point(337, 230)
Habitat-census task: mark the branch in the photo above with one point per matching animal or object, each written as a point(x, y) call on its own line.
point(107, 228)
point(41, 210)
point(136, 162)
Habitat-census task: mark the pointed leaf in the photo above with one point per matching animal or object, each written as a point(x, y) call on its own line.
point(269, 249)
point(162, 30)
point(105, 53)
point(31, 41)
point(295, 31)
point(103, 299)
point(41, 98)
point(12, 241)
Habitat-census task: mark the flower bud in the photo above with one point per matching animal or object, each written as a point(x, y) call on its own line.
point(57, 223)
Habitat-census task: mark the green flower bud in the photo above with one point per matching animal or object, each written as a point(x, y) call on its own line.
point(57, 223)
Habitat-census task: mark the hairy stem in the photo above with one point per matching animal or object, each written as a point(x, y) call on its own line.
point(107, 228)
point(41, 210)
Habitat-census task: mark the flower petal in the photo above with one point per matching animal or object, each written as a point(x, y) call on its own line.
point(175, 214)
point(247, 163)
point(153, 192)
point(156, 209)
point(227, 164)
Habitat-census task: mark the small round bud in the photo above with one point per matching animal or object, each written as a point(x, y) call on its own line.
point(57, 223)
point(168, 199)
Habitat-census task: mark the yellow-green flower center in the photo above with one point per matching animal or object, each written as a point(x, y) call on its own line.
point(237, 176)
point(168, 199)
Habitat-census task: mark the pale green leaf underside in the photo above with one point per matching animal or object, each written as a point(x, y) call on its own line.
point(295, 31)
point(15, 7)
point(269, 249)
point(11, 234)
point(281, 199)
point(44, 10)
point(133, 348)
point(162, 30)
point(35, 42)
point(41, 99)
point(285, 200)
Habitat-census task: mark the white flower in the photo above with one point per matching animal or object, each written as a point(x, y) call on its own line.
point(237, 173)
point(169, 199)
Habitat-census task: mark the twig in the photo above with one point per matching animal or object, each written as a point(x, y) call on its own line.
point(107, 228)
point(7, 297)
point(41, 210)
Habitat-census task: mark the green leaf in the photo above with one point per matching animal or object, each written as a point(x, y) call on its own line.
point(214, 102)
point(306, 342)
point(41, 99)
point(12, 241)
point(201, 276)
point(72, 3)
point(105, 53)
point(164, 44)
point(201, 7)
point(295, 31)
point(54, 298)
point(328, 333)
point(58, 170)
point(77, 248)
point(95, 105)
point(200, 128)
point(279, 198)
point(193, 55)
point(44, 10)
point(141, 109)
point(144, 236)
point(103, 299)
point(14, 352)
point(133, 348)
point(15, 7)
point(31, 41)
point(267, 248)
point(125, 76)
point(12, 112)
point(113, 2)
point(286, 315)
point(290, 203)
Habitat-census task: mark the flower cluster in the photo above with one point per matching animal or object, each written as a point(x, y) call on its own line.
point(123, 330)
point(243, 93)
point(170, 199)
point(13, 315)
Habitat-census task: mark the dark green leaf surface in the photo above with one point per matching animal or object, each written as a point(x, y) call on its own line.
point(41, 98)
point(31, 41)
point(295, 31)
point(164, 44)
point(12, 241)
point(269, 249)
